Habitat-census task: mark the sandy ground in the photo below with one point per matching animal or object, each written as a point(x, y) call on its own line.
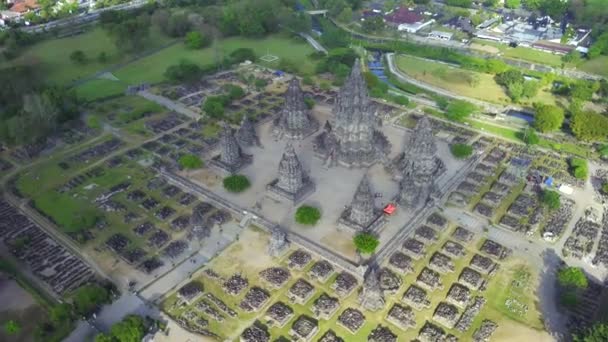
point(485, 48)
point(509, 331)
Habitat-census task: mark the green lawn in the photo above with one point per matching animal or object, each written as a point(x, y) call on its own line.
point(506, 133)
point(467, 83)
point(53, 55)
point(597, 65)
point(523, 53)
point(152, 68)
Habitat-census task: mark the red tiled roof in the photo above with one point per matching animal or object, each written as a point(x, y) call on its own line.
point(22, 6)
point(404, 16)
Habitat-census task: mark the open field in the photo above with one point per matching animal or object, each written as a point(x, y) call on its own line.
point(151, 69)
point(597, 65)
point(53, 55)
point(18, 305)
point(247, 257)
point(467, 83)
point(520, 52)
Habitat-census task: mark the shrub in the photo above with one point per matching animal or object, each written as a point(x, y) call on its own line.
point(530, 137)
point(195, 40)
point(458, 110)
point(242, 54)
point(190, 161)
point(87, 298)
point(12, 327)
point(78, 57)
point(550, 199)
point(461, 151)
point(214, 106)
point(605, 188)
point(307, 215)
point(579, 168)
point(234, 91)
point(310, 102)
point(572, 277)
point(236, 183)
point(366, 243)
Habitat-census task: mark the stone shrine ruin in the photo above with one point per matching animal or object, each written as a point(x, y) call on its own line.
point(295, 120)
point(293, 183)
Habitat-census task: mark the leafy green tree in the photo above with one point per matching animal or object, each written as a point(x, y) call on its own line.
point(195, 40)
point(530, 89)
point(605, 188)
point(550, 199)
point(78, 57)
point(509, 76)
point(512, 3)
point(572, 58)
point(307, 215)
point(530, 137)
point(130, 35)
point(583, 90)
point(178, 25)
point(373, 24)
point(572, 277)
point(12, 327)
point(236, 183)
point(61, 313)
point(459, 3)
point(346, 15)
point(366, 243)
point(310, 102)
point(589, 126)
point(461, 151)
point(102, 57)
point(548, 117)
point(87, 298)
point(242, 54)
point(214, 106)
point(234, 92)
point(579, 168)
point(130, 329)
point(598, 332)
point(554, 8)
point(190, 162)
point(458, 110)
point(184, 72)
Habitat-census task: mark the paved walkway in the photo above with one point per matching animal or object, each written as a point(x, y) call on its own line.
point(170, 104)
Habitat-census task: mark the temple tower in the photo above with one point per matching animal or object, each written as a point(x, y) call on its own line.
point(292, 183)
point(371, 296)
point(246, 135)
point(362, 207)
point(295, 120)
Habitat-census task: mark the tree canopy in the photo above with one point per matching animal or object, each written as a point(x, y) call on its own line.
point(366, 243)
point(572, 277)
point(87, 298)
point(307, 215)
point(598, 332)
point(579, 168)
point(236, 183)
point(131, 329)
point(190, 162)
point(551, 199)
point(548, 117)
point(461, 151)
point(589, 126)
point(458, 110)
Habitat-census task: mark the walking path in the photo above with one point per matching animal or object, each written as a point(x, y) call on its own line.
point(170, 104)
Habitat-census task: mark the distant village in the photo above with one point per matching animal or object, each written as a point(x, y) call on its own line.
point(512, 27)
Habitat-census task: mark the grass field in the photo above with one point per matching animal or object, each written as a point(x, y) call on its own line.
point(53, 55)
point(151, 69)
point(597, 65)
point(471, 84)
point(522, 53)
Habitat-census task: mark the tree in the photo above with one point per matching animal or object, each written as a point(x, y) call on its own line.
point(236, 183)
point(307, 215)
point(214, 106)
point(550, 199)
point(458, 110)
point(598, 332)
point(346, 15)
point(242, 54)
point(554, 8)
point(78, 57)
point(510, 76)
point(87, 298)
point(184, 72)
point(366, 243)
point(461, 151)
point(512, 3)
point(234, 92)
point(190, 162)
point(178, 25)
point(310, 102)
point(102, 57)
point(530, 89)
point(530, 137)
point(61, 313)
point(459, 3)
point(195, 40)
point(605, 188)
point(373, 24)
point(130, 34)
point(583, 90)
point(12, 327)
point(572, 277)
point(579, 168)
point(548, 117)
point(130, 329)
point(589, 126)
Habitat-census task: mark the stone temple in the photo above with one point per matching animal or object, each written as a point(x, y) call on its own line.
point(278, 242)
point(371, 296)
point(231, 158)
point(295, 120)
point(362, 215)
point(351, 138)
point(418, 167)
point(293, 183)
point(246, 135)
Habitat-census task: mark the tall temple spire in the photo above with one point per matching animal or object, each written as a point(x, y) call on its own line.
point(230, 151)
point(290, 171)
point(292, 183)
point(246, 135)
point(418, 167)
point(295, 120)
point(362, 206)
point(353, 140)
point(371, 296)
point(231, 158)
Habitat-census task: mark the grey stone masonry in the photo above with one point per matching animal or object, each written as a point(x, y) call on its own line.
point(293, 183)
point(351, 139)
point(295, 120)
point(371, 296)
point(278, 243)
point(418, 167)
point(246, 135)
point(231, 159)
point(362, 214)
